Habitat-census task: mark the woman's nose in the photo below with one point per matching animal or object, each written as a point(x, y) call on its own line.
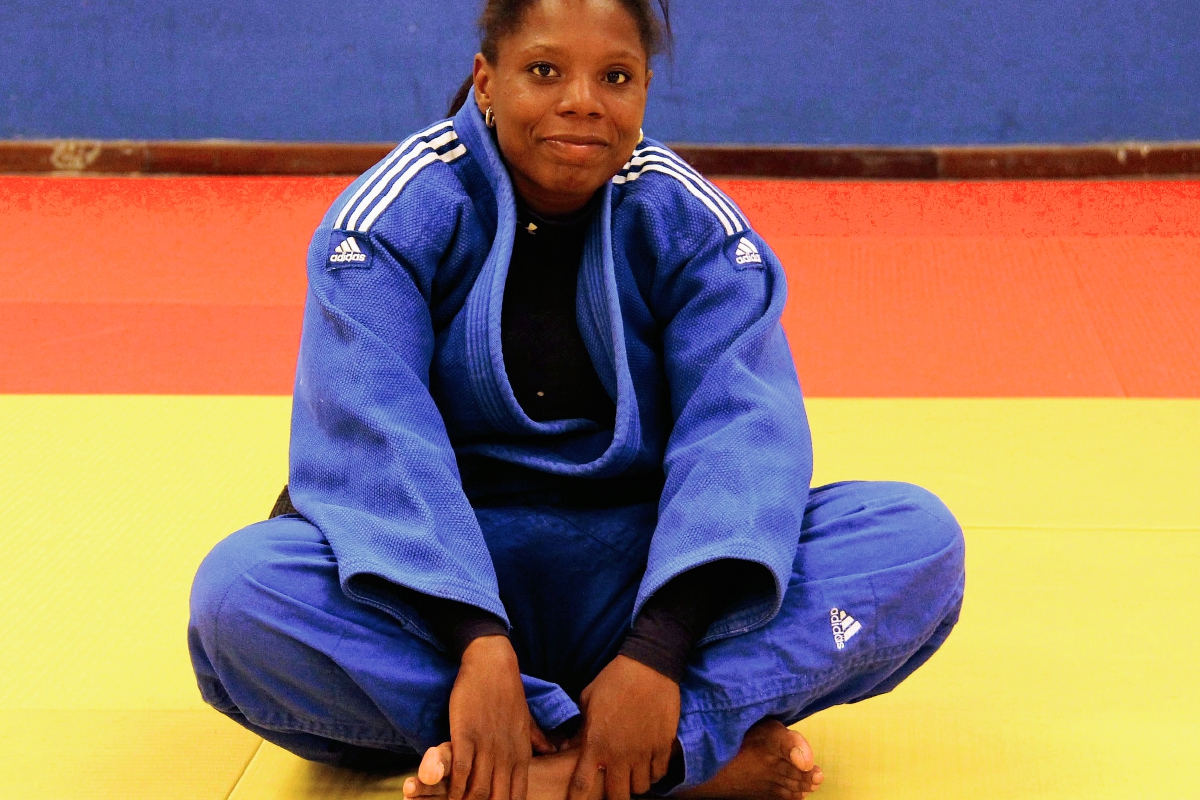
point(580, 97)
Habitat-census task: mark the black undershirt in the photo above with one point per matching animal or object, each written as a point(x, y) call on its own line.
point(545, 358)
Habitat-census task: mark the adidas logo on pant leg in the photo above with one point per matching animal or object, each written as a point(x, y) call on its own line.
point(844, 627)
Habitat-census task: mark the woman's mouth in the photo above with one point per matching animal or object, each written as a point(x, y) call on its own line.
point(575, 145)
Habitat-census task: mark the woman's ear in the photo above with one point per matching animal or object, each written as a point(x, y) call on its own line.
point(649, 76)
point(482, 72)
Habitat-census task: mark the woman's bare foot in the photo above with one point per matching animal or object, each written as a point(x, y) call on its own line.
point(549, 775)
point(775, 763)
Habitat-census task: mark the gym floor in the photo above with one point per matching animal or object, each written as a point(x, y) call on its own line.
point(1030, 351)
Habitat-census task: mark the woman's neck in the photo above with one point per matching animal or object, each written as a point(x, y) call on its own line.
point(528, 213)
point(561, 211)
point(551, 205)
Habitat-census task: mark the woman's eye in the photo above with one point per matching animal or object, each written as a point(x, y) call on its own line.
point(617, 77)
point(543, 70)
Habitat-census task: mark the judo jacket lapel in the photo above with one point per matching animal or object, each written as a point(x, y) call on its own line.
point(567, 447)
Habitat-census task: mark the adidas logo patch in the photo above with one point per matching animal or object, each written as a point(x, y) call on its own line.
point(348, 252)
point(747, 253)
point(844, 627)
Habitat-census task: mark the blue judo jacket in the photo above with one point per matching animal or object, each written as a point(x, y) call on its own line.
point(401, 379)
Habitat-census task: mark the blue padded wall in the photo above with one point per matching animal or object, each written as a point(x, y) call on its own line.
point(768, 71)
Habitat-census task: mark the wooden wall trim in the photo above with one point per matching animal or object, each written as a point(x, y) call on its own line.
point(74, 156)
point(949, 163)
point(1130, 159)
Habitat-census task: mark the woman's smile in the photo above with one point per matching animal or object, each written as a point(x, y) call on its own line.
point(576, 147)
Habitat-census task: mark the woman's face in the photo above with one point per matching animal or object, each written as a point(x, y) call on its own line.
point(568, 90)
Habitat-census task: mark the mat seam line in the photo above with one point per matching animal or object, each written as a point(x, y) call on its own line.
point(1094, 329)
point(245, 768)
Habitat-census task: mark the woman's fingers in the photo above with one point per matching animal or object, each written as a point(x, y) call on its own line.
point(510, 770)
point(460, 771)
point(520, 780)
point(639, 777)
point(585, 777)
point(616, 782)
point(601, 773)
point(660, 764)
point(501, 783)
point(480, 786)
point(476, 773)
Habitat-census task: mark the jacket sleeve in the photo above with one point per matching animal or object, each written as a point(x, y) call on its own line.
point(371, 463)
point(738, 461)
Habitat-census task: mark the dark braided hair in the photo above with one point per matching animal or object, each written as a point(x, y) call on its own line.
point(502, 17)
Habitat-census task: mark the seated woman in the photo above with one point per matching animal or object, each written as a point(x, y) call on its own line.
point(550, 526)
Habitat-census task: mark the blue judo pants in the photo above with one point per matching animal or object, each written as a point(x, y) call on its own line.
point(279, 647)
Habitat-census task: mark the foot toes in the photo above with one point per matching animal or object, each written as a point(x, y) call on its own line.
point(415, 789)
point(786, 793)
point(790, 785)
point(800, 753)
point(435, 765)
point(811, 781)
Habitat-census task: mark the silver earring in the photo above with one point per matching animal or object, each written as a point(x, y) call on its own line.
point(641, 136)
point(489, 118)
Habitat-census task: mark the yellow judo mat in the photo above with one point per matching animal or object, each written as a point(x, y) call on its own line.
point(1072, 674)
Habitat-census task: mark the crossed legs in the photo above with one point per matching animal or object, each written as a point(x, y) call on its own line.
point(876, 587)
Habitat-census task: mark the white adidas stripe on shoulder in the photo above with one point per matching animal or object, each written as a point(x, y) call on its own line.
point(657, 159)
point(643, 163)
point(398, 186)
point(374, 185)
point(731, 226)
point(415, 153)
point(723, 199)
point(420, 156)
point(387, 162)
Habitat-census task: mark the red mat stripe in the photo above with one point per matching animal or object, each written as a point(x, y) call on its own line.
point(194, 285)
point(220, 241)
point(143, 348)
point(971, 208)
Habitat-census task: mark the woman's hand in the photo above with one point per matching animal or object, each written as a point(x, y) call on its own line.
point(490, 726)
point(630, 716)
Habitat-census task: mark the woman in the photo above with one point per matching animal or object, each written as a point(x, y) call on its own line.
point(549, 521)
